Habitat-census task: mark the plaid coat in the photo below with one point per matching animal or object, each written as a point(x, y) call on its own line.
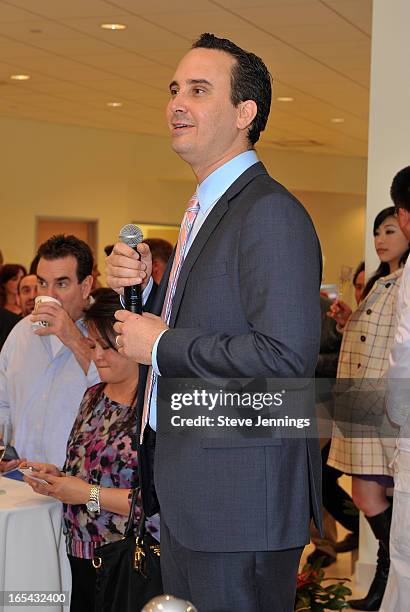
point(364, 357)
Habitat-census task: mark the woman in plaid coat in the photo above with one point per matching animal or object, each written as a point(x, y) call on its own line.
point(368, 335)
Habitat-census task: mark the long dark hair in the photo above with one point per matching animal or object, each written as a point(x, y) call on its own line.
point(101, 315)
point(384, 267)
point(7, 272)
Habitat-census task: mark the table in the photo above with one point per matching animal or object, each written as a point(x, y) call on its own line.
point(32, 546)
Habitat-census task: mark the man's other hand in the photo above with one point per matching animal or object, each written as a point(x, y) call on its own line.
point(137, 334)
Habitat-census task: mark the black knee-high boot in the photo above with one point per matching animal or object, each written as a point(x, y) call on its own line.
point(380, 525)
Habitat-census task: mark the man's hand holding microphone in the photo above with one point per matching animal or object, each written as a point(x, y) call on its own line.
point(131, 266)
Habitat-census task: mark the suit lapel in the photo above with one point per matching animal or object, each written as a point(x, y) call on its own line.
point(201, 238)
point(207, 229)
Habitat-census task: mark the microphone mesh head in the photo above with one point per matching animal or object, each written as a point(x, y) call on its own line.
point(131, 234)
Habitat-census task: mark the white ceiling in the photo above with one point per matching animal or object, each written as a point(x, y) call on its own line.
point(318, 52)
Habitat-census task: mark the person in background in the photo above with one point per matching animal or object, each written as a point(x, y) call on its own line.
point(26, 294)
point(359, 281)
point(7, 321)
point(10, 275)
point(368, 335)
point(335, 498)
point(101, 463)
point(330, 340)
point(44, 372)
point(397, 594)
point(161, 251)
point(96, 274)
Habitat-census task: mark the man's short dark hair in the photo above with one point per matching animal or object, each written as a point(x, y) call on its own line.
point(400, 189)
point(360, 268)
point(61, 246)
point(34, 264)
point(21, 280)
point(162, 249)
point(250, 80)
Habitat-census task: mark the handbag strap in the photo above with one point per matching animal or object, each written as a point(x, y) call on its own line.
point(130, 522)
point(129, 529)
point(141, 528)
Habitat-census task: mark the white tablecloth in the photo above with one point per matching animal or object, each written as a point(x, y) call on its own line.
point(32, 547)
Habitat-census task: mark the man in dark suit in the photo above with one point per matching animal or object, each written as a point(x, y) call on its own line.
point(241, 300)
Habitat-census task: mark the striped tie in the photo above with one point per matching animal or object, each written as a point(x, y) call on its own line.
point(180, 253)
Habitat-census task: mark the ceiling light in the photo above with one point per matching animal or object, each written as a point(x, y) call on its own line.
point(113, 26)
point(337, 120)
point(285, 99)
point(20, 77)
point(114, 104)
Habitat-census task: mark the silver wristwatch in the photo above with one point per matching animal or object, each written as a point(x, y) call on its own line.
point(93, 504)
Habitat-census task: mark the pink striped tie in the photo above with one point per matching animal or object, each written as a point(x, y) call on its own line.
point(180, 253)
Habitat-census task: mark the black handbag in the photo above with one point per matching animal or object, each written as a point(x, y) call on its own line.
point(128, 572)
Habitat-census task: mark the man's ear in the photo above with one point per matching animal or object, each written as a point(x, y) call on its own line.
point(86, 286)
point(247, 111)
point(403, 217)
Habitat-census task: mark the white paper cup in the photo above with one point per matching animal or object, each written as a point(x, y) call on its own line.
point(41, 299)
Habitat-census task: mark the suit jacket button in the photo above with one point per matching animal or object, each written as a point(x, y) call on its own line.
point(363, 338)
point(369, 311)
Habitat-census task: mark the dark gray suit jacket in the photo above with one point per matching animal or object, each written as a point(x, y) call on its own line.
point(246, 305)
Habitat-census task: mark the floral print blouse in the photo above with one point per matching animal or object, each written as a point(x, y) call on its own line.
point(100, 450)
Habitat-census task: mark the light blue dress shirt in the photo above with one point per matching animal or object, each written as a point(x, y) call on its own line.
point(41, 388)
point(209, 192)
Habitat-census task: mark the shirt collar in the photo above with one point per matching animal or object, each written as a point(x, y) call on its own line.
point(212, 188)
point(390, 277)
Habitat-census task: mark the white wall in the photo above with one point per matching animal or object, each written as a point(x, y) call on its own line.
point(389, 135)
point(339, 219)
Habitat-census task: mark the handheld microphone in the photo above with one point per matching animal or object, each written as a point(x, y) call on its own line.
point(132, 235)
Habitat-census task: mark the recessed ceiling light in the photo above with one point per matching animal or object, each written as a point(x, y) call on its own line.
point(285, 99)
point(114, 104)
point(20, 77)
point(337, 120)
point(113, 26)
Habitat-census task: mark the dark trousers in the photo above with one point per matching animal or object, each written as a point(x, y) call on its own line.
point(227, 582)
point(83, 589)
point(335, 499)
